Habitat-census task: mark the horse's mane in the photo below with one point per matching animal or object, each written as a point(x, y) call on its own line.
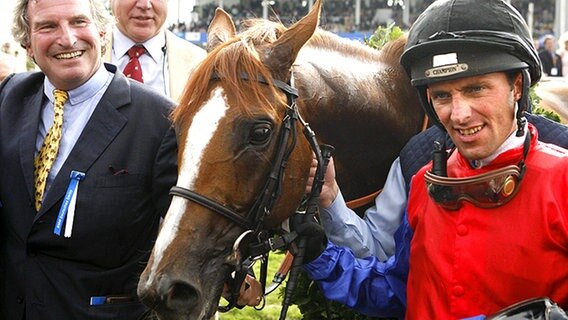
point(390, 52)
point(394, 48)
point(241, 55)
point(230, 60)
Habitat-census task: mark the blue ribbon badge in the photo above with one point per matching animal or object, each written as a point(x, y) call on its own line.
point(67, 210)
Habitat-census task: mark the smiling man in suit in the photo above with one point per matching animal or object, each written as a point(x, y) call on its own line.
point(88, 157)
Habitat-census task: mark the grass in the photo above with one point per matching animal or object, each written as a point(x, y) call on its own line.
point(273, 305)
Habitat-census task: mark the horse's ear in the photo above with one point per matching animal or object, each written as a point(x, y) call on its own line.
point(285, 49)
point(220, 30)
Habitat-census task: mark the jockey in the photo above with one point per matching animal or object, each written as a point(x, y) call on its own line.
point(486, 224)
point(373, 234)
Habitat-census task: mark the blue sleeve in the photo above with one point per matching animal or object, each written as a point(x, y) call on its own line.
point(372, 235)
point(369, 286)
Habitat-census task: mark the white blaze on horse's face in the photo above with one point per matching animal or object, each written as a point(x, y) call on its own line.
point(203, 126)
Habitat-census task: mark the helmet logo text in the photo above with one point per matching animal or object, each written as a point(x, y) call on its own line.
point(447, 70)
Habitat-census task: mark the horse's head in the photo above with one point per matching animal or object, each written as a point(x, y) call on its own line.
point(235, 138)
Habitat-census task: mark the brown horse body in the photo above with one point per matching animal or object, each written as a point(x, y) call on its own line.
point(355, 98)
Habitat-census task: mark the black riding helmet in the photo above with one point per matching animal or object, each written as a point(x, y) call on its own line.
point(461, 38)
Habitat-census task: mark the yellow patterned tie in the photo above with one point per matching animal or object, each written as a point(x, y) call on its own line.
point(48, 152)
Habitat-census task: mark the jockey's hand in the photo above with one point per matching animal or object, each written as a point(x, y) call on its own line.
point(330, 189)
point(250, 294)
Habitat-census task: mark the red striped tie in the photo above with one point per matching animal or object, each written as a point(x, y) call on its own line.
point(133, 69)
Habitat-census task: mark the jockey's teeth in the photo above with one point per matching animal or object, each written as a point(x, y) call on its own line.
point(471, 131)
point(69, 55)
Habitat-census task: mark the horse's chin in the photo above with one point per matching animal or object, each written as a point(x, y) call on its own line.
point(191, 295)
point(204, 310)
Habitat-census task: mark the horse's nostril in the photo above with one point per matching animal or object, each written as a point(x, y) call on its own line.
point(181, 295)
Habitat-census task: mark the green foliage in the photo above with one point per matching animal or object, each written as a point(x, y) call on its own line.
point(546, 113)
point(308, 302)
point(534, 98)
point(383, 35)
point(314, 306)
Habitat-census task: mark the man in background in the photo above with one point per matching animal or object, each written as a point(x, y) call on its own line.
point(563, 53)
point(551, 61)
point(165, 60)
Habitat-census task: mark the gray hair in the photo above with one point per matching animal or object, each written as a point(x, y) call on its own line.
point(21, 25)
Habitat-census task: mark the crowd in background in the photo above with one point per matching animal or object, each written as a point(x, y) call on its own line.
point(12, 59)
point(339, 15)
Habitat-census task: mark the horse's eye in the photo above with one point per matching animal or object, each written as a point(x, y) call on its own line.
point(260, 133)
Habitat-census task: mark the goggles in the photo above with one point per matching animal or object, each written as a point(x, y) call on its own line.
point(487, 190)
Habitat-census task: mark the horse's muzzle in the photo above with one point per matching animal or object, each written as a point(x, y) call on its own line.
point(170, 298)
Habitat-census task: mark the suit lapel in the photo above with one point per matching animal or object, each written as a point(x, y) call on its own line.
point(28, 138)
point(105, 124)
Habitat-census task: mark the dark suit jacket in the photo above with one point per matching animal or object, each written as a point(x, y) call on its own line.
point(117, 213)
point(548, 63)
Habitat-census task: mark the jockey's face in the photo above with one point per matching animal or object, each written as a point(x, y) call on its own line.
point(478, 112)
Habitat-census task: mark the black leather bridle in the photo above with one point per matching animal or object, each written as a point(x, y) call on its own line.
point(252, 222)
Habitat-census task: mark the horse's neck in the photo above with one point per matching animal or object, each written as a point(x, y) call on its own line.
point(329, 66)
point(358, 103)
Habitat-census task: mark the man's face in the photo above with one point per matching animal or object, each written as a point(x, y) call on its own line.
point(549, 44)
point(64, 41)
point(478, 112)
point(140, 20)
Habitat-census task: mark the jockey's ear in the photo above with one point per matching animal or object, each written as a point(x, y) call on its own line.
point(220, 30)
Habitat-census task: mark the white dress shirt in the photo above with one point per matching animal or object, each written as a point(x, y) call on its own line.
point(154, 68)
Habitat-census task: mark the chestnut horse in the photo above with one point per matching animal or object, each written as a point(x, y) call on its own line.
point(236, 141)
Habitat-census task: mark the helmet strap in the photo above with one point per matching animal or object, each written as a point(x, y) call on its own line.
point(523, 103)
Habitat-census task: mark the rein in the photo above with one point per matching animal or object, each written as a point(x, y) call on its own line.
point(255, 238)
